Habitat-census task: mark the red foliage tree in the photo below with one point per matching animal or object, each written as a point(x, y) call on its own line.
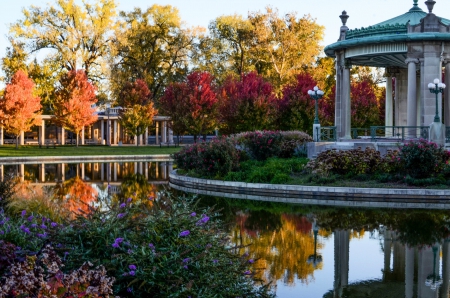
point(133, 93)
point(174, 103)
point(19, 108)
point(73, 102)
point(246, 104)
point(197, 101)
point(296, 108)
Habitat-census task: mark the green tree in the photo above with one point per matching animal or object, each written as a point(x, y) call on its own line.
point(284, 46)
point(226, 49)
point(78, 35)
point(153, 46)
point(137, 118)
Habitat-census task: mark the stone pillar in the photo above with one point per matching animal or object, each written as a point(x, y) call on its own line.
point(21, 138)
point(82, 136)
point(102, 171)
point(63, 172)
point(140, 139)
point(102, 131)
point(2, 172)
point(116, 133)
point(387, 253)
point(63, 136)
point(447, 93)
point(389, 107)
point(146, 170)
point(411, 117)
point(82, 171)
point(170, 135)
point(156, 170)
point(135, 168)
point(42, 172)
point(42, 133)
point(115, 165)
point(1, 135)
point(164, 132)
point(146, 136)
point(157, 133)
point(108, 132)
point(341, 260)
point(337, 105)
point(409, 272)
point(345, 103)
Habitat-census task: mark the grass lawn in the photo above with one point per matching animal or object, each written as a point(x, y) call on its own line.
point(71, 150)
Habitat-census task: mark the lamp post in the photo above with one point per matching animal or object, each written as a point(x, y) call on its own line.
point(315, 259)
point(316, 94)
point(436, 87)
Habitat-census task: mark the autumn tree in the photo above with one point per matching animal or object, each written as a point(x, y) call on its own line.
point(78, 36)
point(74, 100)
point(284, 46)
point(19, 107)
point(226, 49)
point(246, 104)
point(152, 45)
point(174, 103)
point(296, 107)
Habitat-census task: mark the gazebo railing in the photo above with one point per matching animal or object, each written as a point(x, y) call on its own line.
point(399, 133)
point(357, 133)
point(326, 134)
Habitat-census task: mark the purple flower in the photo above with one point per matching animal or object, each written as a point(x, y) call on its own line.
point(151, 246)
point(120, 215)
point(115, 244)
point(185, 267)
point(186, 260)
point(129, 200)
point(215, 261)
point(118, 240)
point(43, 226)
point(193, 214)
point(248, 272)
point(132, 267)
point(185, 233)
point(42, 235)
point(25, 229)
point(123, 205)
point(251, 261)
point(32, 225)
point(132, 273)
point(150, 198)
point(30, 218)
point(24, 212)
point(54, 224)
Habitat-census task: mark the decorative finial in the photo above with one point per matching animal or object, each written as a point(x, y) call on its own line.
point(344, 16)
point(415, 2)
point(430, 5)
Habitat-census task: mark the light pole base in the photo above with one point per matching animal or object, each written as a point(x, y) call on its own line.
point(316, 132)
point(437, 133)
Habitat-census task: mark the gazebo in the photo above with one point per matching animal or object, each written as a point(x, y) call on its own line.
point(414, 48)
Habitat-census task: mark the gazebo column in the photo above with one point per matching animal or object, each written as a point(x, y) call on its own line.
point(146, 136)
point(447, 93)
point(21, 138)
point(116, 133)
point(164, 132)
point(42, 133)
point(63, 136)
point(1, 135)
point(337, 105)
point(389, 112)
point(82, 136)
point(411, 118)
point(345, 103)
point(157, 132)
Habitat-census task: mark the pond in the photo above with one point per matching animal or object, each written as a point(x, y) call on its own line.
point(303, 251)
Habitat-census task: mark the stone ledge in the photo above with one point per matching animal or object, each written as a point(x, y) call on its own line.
point(316, 195)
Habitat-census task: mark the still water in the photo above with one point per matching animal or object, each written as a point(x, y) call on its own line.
point(303, 251)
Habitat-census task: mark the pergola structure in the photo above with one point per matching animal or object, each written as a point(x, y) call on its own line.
point(105, 131)
point(414, 48)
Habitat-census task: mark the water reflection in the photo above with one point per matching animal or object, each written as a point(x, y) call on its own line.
point(365, 253)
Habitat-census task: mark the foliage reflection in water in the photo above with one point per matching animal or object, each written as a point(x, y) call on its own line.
point(359, 252)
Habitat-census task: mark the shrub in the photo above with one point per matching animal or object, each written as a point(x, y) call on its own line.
point(212, 159)
point(292, 143)
point(348, 162)
point(260, 145)
point(422, 159)
point(159, 247)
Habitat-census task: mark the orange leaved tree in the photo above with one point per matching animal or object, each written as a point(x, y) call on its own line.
point(74, 100)
point(19, 108)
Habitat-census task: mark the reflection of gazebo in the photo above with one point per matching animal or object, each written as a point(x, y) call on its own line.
point(413, 48)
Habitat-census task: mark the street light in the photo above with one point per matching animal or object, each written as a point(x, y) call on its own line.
point(316, 94)
point(436, 87)
point(315, 259)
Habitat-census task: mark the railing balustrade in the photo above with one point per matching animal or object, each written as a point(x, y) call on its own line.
point(326, 134)
point(399, 133)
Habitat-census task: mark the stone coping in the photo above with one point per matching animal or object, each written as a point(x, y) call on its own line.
point(82, 159)
point(315, 195)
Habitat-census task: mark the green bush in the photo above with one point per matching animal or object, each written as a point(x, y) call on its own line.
point(345, 162)
point(212, 159)
point(423, 159)
point(292, 143)
point(159, 247)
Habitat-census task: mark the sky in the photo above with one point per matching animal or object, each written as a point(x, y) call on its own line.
point(363, 13)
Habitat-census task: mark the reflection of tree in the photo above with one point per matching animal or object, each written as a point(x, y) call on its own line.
point(283, 252)
point(136, 186)
point(76, 195)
